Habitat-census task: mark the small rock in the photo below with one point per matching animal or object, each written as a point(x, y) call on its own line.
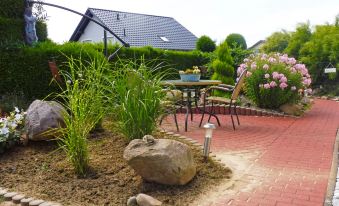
point(3, 192)
point(25, 201)
point(16, 199)
point(132, 201)
point(8, 196)
point(46, 204)
point(146, 200)
point(36, 202)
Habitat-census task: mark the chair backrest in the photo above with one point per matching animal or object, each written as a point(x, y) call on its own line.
point(54, 70)
point(238, 85)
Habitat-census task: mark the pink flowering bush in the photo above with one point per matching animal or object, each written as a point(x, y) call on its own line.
point(275, 79)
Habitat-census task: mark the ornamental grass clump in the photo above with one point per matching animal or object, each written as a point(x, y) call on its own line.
point(83, 97)
point(138, 95)
point(275, 79)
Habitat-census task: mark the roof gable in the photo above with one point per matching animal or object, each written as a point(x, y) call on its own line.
point(145, 30)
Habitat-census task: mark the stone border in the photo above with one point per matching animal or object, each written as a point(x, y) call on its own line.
point(332, 193)
point(195, 144)
point(23, 200)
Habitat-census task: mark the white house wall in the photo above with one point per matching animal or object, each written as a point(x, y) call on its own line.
point(95, 33)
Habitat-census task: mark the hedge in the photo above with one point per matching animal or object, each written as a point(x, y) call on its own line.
point(25, 69)
point(11, 30)
point(12, 8)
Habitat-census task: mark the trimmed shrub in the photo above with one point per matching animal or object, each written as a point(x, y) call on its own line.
point(41, 31)
point(25, 69)
point(11, 30)
point(273, 80)
point(12, 8)
point(223, 65)
point(205, 44)
point(236, 40)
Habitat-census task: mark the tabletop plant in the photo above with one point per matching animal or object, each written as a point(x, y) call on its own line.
point(275, 79)
point(193, 70)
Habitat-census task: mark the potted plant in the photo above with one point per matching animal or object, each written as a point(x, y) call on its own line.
point(190, 75)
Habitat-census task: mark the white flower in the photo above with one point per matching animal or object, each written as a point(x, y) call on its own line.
point(16, 109)
point(18, 117)
point(69, 82)
point(4, 131)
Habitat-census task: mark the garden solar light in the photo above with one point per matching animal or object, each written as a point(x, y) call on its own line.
point(208, 136)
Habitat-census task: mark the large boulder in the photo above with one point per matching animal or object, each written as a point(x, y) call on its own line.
point(42, 118)
point(163, 161)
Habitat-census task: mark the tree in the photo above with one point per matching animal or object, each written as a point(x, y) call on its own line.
point(298, 39)
point(223, 65)
point(236, 40)
point(277, 42)
point(321, 50)
point(205, 44)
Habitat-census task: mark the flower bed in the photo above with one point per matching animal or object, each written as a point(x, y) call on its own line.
point(11, 129)
point(273, 80)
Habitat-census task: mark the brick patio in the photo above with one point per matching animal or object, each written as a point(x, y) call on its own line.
point(276, 160)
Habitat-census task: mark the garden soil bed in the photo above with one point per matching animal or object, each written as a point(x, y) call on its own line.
point(41, 170)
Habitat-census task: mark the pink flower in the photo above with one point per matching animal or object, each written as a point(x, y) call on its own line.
point(293, 70)
point(267, 76)
point(272, 60)
point(273, 84)
point(283, 85)
point(283, 79)
point(281, 76)
point(267, 86)
point(291, 61)
point(293, 88)
point(248, 74)
point(266, 67)
point(253, 65)
point(307, 82)
point(309, 91)
point(275, 75)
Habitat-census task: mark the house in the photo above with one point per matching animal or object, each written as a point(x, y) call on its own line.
point(256, 47)
point(137, 30)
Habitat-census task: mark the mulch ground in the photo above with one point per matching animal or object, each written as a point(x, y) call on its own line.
point(41, 170)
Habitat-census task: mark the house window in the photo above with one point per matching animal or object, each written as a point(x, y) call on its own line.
point(163, 38)
point(86, 40)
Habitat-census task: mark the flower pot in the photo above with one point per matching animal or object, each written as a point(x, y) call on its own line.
point(190, 77)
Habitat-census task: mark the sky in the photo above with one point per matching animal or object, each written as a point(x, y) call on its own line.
point(254, 19)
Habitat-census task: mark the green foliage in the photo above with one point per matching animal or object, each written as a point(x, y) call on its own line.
point(12, 8)
point(11, 30)
point(274, 80)
point(25, 69)
point(205, 44)
point(320, 50)
point(236, 40)
point(138, 96)
point(238, 54)
point(83, 97)
point(41, 31)
point(223, 65)
point(277, 42)
point(298, 39)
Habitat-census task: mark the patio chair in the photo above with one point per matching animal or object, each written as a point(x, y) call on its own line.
point(171, 104)
point(210, 97)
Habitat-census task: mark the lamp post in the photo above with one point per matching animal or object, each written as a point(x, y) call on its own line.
point(208, 137)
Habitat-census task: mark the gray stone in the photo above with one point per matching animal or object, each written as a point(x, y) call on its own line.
point(16, 199)
point(3, 192)
point(166, 161)
point(25, 201)
point(146, 200)
point(36, 202)
point(291, 109)
point(8, 196)
point(132, 201)
point(42, 117)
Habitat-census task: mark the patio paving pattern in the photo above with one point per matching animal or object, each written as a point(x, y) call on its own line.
point(276, 160)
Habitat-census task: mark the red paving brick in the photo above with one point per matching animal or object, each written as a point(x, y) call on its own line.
point(293, 155)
